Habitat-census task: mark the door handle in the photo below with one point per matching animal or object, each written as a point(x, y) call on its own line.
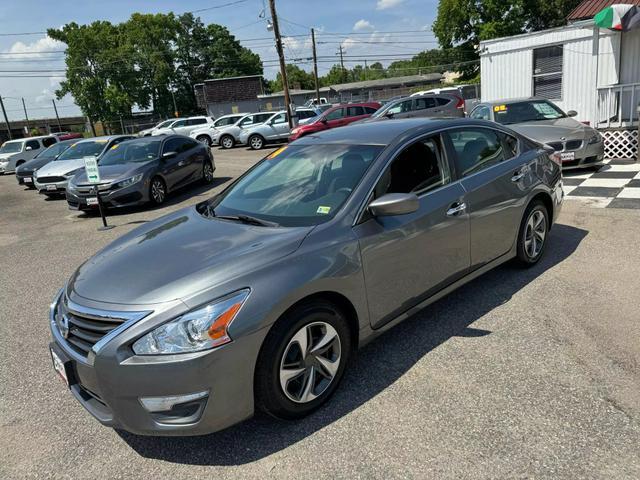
point(181, 163)
point(456, 208)
point(517, 176)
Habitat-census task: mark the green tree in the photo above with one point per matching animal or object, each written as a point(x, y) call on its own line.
point(297, 77)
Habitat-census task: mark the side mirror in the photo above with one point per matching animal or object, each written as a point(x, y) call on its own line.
point(394, 204)
point(572, 113)
point(389, 114)
point(28, 148)
point(168, 155)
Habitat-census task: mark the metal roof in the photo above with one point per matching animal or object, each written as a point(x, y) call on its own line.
point(386, 82)
point(588, 8)
point(230, 78)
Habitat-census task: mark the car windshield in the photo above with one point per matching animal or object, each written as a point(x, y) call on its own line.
point(83, 149)
point(298, 185)
point(137, 151)
point(530, 111)
point(11, 147)
point(53, 151)
point(382, 111)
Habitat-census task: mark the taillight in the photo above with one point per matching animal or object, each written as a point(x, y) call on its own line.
point(555, 158)
point(460, 104)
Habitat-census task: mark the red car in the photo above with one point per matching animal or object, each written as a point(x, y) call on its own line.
point(336, 116)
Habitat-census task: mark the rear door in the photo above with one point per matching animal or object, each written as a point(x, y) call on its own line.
point(498, 180)
point(279, 128)
point(408, 258)
point(192, 124)
point(355, 113)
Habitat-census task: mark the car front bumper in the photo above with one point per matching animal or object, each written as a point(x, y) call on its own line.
point(136, 194)
point(4, 167)
point(112, 382)
point(588, 155)
point(25, 178)
point(55, 188)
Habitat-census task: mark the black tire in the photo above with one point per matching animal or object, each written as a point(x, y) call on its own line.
point(256, 142)
point(207, 172)
point(528, 253)
point(270, 395)
point(226, 141)
point(157, 186)
point(205, 139)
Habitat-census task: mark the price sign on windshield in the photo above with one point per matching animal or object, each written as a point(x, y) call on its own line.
point(91, 167)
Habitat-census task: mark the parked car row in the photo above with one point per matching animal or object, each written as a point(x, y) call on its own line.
point(133, 171)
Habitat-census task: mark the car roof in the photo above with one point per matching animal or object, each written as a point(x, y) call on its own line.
point(385, 132)
point(38, 137)
point(106, 138)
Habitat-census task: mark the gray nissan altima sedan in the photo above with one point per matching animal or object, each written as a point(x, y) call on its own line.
point(258, 297)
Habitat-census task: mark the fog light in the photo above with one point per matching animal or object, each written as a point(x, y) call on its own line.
point(164, 404)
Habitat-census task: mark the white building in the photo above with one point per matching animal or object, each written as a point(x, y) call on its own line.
point(580, 67)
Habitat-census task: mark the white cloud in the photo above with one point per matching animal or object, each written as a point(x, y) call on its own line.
point(37, 48)
point(385, 4)
point(361, 25)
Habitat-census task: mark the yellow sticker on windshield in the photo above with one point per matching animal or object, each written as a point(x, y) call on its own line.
point(114, 147)
point(276, 153)
point(323, 210)
point(499, 108)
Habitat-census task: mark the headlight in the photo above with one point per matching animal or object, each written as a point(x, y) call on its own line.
point(129, 181)
point(295, 130)
point(596, 138)
point(200, 329)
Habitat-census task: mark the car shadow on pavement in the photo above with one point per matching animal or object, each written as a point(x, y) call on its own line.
point(377, 366)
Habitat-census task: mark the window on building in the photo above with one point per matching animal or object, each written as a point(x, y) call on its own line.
point(547, 72)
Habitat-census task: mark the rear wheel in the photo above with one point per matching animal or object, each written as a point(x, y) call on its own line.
point(157, 191)
point(532, 237)
point(302, 360)
point(205, 139)
point(256, 142)
point(227, 141)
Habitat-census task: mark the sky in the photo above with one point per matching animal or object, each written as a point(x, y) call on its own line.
point(372, 29)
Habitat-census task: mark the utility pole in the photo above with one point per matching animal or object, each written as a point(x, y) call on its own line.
point(26, 117)
point(315, 65)
point(365, 68)
point(6, 120)
point(341, 52)
point(175, 108)
point(57, 117)
point(283, 67)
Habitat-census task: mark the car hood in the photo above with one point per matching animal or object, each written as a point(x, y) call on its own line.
point(60, 167)
point(6, 156)
point(112, 173)
point(34, 163)
point(177, 256)
point(552, 130)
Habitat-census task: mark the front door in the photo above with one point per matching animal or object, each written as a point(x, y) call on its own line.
point(497, 181)
point(172, 167)
point(425, 107)
point(279, 128)
point(408, 258)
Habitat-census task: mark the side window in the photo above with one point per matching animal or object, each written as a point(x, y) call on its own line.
point(354, 111)
point(424, 103)
point(34, 144)
point(418, 168)
point(48, 141)
point(370, 110)
point(335, 115)
point(247, 121)
point(279, 119)
point(442, 101)
point(172, 145)
point(510, 144)
point(262, 117)
point(476, 149)
point(481, 113)
point(196, 121)
point(179, 123)
point(186, 145)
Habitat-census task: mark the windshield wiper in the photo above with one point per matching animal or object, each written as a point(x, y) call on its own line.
point(248, 219)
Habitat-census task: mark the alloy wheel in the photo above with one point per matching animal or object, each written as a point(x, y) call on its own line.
point(256, 142)
point(208, 172)
point(310, 362)
point(158, 191)
point(535, 233)
point(227, 142)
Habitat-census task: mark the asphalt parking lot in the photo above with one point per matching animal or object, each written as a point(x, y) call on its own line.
point(519, 374)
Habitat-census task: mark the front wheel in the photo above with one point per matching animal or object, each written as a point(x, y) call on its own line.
point(227, 141)
point(302, 360)
point(256, 142)
point(533, 233)
point(157, 191)
point(207, 172)
point(205, 139)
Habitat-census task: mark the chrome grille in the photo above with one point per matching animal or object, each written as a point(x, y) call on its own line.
point(557, 146)
point(50, 179)
point(82, 327)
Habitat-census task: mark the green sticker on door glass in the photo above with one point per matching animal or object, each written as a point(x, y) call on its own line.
point(323, 210)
